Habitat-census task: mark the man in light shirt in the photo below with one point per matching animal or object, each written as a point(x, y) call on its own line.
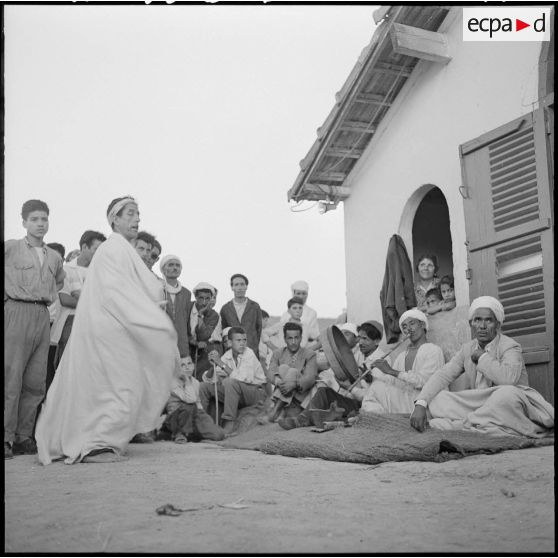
point(245, 381)
point(495, 397)
point(33, 275)
point(309, 317)
point(76, 271)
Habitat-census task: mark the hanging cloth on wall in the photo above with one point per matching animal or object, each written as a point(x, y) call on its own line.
point(398, 292)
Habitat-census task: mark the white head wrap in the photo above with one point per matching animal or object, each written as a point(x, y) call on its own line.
point(204, 286)
point(167, 259)
point(117, 207)
point(416, 314)
point(299, 286)
point(487, 302)
point(352, 328)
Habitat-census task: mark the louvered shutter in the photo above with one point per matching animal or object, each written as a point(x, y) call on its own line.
point(507, 203)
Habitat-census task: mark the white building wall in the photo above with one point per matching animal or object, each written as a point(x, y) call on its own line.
point(484, 86)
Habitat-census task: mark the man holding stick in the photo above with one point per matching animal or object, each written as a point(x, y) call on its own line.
point(245, 381)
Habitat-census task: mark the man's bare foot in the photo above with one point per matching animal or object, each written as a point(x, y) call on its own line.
point(104, 455)
point(180, 439)
point(228, 427)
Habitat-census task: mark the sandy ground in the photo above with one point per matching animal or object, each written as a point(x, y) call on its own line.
point(498, 503)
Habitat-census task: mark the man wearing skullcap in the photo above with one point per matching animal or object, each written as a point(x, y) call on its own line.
point(179, 300)
point(203, 328)
point(309, 316)
point(496, 399)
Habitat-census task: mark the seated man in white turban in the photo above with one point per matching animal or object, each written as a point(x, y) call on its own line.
point(395, 388)
point(309, 316)
point(497, 399)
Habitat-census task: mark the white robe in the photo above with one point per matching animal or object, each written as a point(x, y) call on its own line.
point(388, 394)
point(117, 370)
point(495, 397)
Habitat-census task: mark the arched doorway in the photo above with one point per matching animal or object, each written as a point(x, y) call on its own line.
point(431, 230)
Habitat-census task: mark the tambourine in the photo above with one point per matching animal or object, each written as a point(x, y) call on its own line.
point(339, 354)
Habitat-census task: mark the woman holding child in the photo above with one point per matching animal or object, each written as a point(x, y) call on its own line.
point(427, 267)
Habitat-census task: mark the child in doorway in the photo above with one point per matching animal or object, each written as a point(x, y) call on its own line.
point(441, 298)
point(448, 292)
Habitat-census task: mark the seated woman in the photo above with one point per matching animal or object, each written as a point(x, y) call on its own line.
point(427, 267)
point(495, 397)
point(395, 388)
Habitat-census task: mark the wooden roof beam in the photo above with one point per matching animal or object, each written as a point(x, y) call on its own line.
point(330, 175)
point(357, 126)
point(426, 45)
point(344, 152)
point(393, 69)
point(372, 99)
point(326, 191)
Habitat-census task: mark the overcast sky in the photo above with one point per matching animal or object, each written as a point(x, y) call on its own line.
point(201, 112)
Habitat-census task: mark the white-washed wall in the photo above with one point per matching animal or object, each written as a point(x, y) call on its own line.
point(484, 86)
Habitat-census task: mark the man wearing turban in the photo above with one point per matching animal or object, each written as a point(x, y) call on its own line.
point(395, 387)
point(179, 299)
point(496, 399)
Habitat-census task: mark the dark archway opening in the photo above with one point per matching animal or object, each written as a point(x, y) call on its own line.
point(431, 231)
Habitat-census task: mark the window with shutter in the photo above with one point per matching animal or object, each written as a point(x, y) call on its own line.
point(507, 204)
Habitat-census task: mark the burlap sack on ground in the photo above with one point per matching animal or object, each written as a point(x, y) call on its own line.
point(377, 439)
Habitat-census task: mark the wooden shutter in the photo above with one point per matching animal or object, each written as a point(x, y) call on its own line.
point(508, 219)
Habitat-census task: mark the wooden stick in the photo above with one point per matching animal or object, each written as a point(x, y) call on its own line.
point(367, 371)
point(216, 396)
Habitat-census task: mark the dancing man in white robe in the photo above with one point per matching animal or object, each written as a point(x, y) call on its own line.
point(497, 399)
point(116, 373)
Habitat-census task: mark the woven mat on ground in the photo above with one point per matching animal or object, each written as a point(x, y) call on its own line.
point(377, 439)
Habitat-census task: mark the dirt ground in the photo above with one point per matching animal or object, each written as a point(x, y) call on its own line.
point(497, 503)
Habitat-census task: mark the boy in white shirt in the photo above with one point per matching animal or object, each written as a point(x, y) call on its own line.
point(186, 420)
point(245, 381)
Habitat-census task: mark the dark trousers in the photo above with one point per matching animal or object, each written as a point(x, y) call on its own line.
point(26, 344)
point(64, 337)
point(325, 396)
point(194, 423)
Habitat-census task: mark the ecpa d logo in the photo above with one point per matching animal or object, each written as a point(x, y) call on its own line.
point(507, 23)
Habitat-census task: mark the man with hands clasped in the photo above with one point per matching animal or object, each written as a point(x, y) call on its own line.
point(497, 399)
